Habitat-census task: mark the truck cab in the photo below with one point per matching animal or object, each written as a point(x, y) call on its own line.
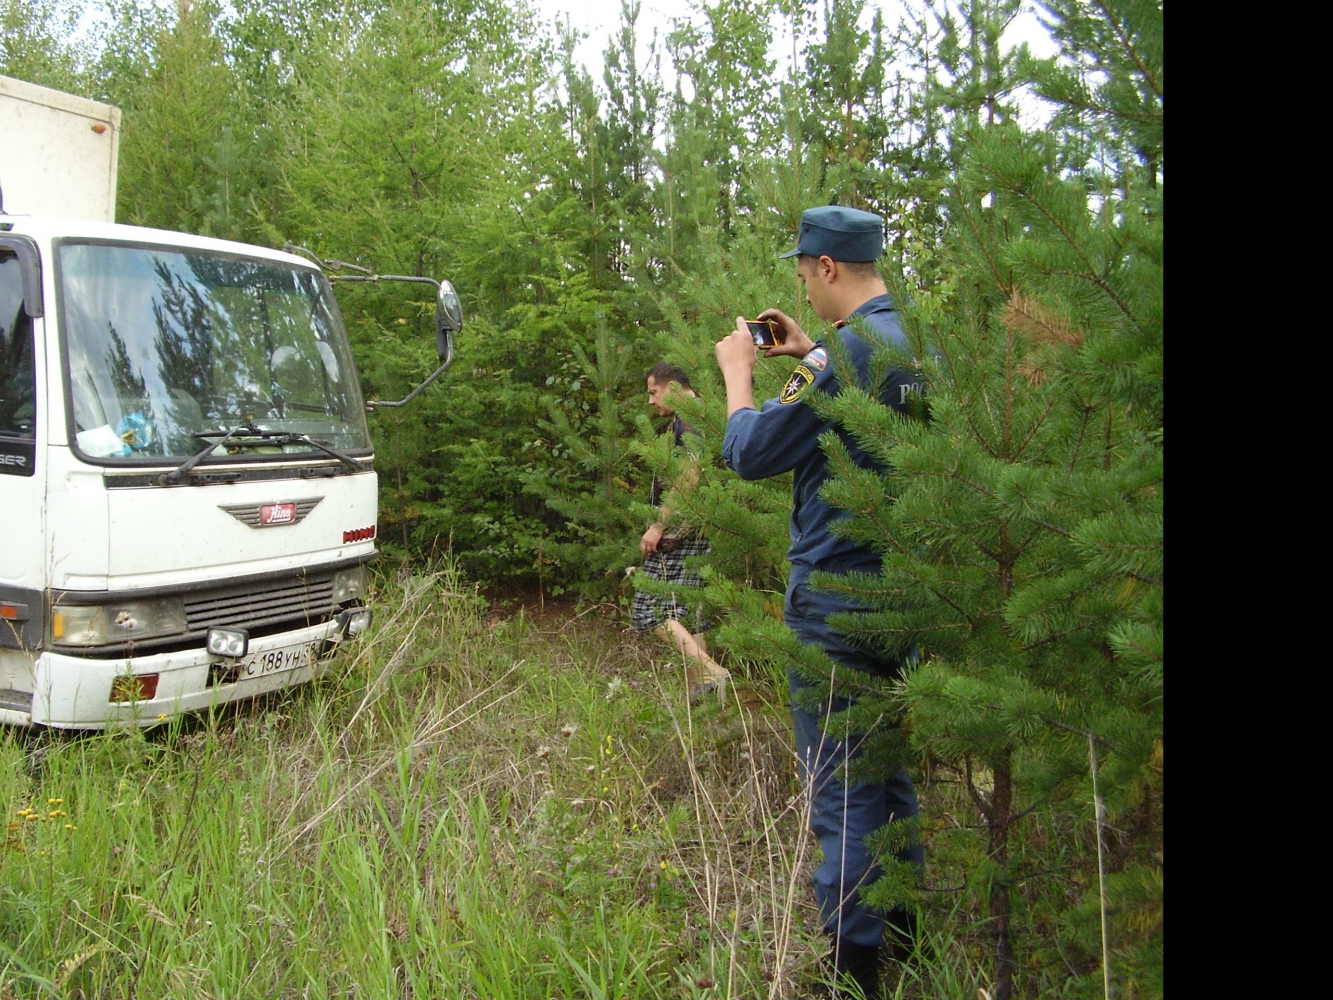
point(187, 484)
point(186, 474)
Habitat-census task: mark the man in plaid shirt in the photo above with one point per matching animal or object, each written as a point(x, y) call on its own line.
point(664, 558)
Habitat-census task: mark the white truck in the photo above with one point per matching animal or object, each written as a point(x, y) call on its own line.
point(187, 484)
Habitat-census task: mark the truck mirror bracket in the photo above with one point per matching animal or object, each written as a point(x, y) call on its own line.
point(448, 321)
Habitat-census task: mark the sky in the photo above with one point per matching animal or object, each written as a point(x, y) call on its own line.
point(599, 18)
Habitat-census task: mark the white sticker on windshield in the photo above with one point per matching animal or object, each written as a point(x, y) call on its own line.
point(101, 442)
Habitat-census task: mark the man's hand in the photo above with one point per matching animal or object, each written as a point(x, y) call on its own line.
point(736, 357)
point(736, 352)
point(648, 543)
point(797, 343)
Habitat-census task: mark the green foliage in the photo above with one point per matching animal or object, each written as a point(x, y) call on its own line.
point(597, 223)
point(1021, 526)
point(598, 505)
point(183, 163)
point(37, 44)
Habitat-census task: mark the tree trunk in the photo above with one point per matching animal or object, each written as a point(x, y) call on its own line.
point(1000, 901)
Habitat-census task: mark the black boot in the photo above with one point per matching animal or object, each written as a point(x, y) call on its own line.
point(859, 964)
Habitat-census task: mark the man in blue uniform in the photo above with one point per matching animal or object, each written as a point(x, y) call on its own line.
point(836, 254)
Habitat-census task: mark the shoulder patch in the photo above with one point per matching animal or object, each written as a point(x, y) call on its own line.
point(816, 360)
point(801, 379)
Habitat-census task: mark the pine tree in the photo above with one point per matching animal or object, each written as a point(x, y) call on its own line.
point(598, 508)
point(181, 158)
point(1021, 525)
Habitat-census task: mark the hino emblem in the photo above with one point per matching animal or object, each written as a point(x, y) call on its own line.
point(277, 513)
point(271, 515)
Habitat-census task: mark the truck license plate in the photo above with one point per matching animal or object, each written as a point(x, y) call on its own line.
point(273, 661)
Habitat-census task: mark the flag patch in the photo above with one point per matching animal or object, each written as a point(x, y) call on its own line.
point(816, 360)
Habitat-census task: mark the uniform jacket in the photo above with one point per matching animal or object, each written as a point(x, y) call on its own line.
point(783, 435)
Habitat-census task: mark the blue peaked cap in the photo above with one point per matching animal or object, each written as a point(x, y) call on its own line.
point(841, 233)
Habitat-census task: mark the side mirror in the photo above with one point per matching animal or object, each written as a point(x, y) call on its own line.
point(448, 319)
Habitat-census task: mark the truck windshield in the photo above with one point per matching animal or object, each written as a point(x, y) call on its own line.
point(165, 343)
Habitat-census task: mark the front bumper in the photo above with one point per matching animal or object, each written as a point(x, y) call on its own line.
point(70, 692)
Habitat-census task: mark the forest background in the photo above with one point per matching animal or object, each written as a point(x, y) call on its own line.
point(596, 226)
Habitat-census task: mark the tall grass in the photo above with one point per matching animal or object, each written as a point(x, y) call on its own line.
point(456, 811)
point(461, 808)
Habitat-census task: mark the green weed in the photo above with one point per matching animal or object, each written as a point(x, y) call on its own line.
point(460, 808)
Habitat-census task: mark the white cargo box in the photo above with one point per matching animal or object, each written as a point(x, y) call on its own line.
point(57, 153)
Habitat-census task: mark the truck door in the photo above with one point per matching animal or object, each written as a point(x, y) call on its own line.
point(21, 484)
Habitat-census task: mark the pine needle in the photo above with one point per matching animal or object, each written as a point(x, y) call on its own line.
point(1039, 323)
point(1031, 369)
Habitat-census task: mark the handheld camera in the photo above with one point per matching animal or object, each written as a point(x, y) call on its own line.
point(765, 332)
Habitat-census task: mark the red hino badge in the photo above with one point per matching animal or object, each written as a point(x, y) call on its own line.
point(277, 513)
point(272, 515)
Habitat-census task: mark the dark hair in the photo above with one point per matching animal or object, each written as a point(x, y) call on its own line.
point(861, 269)
point(665, 372)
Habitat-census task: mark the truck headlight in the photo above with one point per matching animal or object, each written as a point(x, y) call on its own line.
point(232, 643)
point(349, 584)
point(120, 621)
point(354, 621)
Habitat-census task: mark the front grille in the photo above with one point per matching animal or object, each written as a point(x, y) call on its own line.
point(260, 604)
point(301, 599)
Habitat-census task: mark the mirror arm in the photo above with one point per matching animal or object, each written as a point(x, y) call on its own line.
point(377, 278)
point(290, 247)
point(373, 404)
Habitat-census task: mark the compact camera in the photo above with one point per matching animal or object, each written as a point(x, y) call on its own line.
point(765, 332)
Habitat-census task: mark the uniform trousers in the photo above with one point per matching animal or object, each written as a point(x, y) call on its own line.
point(842, 814)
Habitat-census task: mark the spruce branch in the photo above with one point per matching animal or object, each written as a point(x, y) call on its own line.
point(1010, 383)
point(1039, 716)
point(1084, 421)
point(1037, 424)
point(1036, 519)
point(1107, 110)
point(1058, 636)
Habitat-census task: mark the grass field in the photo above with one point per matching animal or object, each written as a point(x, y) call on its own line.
point(470, 805)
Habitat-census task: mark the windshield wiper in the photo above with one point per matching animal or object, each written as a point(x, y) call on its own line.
point(288, 438)
point(185, 467)
point(267, 436)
